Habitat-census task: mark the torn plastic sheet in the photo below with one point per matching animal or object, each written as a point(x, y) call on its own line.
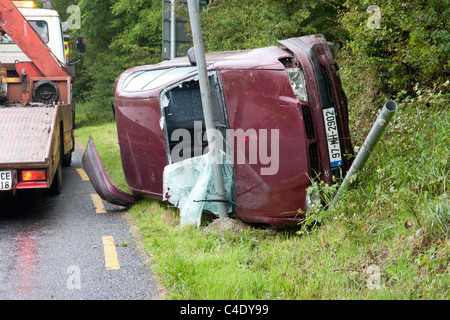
point(189, 185)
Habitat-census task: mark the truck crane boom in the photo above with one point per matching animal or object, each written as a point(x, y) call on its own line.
point(30, 42)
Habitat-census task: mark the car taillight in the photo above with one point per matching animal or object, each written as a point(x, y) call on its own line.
point(34, 175)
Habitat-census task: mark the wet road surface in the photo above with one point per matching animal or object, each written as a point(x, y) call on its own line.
point(61, 247)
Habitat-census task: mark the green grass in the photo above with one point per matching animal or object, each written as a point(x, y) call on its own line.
point(93, 113)
point(394, 221)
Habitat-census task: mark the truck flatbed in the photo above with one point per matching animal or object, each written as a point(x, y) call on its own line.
point(36, 108)
point(26, 135)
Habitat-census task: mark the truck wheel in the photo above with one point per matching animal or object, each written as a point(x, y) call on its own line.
point(55, 188)
point(67, 159)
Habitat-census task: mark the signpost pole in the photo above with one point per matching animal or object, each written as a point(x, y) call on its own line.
point(173, 25)
point(205, 91)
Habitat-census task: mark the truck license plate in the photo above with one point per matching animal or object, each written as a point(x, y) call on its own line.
point(5, 180)
point(334, 149)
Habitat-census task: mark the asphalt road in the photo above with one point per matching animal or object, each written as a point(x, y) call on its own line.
point(60, 247)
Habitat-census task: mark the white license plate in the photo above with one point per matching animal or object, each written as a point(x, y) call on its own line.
point(334, 149)
point(5, 180)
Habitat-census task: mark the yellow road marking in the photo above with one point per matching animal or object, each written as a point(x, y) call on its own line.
point(111, 259)
point(98, 203)
point(82, 174)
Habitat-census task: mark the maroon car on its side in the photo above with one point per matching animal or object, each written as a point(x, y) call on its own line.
point(281, 108)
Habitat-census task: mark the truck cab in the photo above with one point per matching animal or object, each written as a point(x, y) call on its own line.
point(48, 25)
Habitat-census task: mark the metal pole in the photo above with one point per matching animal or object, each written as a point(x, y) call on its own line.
point(173, 25)
point(369, 144)
point(205, 91)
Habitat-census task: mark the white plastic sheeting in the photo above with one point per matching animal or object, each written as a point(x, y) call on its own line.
point(187, 184)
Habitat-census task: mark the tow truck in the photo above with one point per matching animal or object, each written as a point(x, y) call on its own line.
point(36, 107)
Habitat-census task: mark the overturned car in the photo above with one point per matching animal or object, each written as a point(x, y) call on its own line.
point(280, 112)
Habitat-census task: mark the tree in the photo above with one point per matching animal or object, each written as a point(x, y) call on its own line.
point(410, 45)
point(246, 24)
point(120, 35)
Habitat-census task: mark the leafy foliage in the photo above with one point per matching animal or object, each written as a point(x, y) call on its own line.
point(234, 24)
point(411, 44)
point(120, 35)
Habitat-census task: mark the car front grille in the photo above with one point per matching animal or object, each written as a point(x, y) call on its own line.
point(309, 125)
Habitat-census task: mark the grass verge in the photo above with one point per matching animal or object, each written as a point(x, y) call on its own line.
point(93, 113)
point(387, 238)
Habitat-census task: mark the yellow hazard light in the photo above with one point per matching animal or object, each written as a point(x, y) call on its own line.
point(24, 4)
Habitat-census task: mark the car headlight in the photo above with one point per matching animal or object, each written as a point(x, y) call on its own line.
point(298, 83)
point(312, 197)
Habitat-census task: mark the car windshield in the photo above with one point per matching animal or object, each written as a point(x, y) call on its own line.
point(151, 79)
point(40, 26)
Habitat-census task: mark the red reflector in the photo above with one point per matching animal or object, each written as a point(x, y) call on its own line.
point(34, 175)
